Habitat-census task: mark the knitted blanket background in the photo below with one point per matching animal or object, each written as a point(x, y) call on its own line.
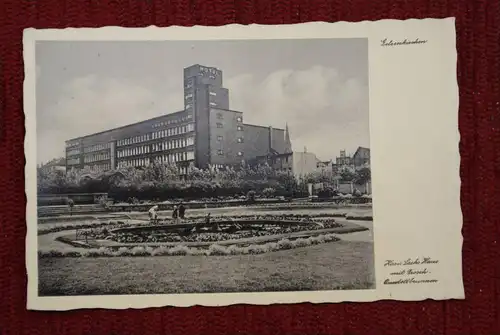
point(478, 30)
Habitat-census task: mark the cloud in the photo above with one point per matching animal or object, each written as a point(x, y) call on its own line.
point(325, 111)
point(91, 104)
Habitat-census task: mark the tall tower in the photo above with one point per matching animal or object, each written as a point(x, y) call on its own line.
point(203, 90)
point(288, 142)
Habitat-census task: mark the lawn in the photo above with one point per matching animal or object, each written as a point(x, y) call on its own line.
point(330, 266)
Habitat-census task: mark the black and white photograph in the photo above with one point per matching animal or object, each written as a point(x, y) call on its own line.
point(214, 166)
point(203, 166)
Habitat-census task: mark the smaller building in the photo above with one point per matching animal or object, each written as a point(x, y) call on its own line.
point(325, 166)
point(58, 164)
point(342, 162)
point(361, 158)
point(299, 164)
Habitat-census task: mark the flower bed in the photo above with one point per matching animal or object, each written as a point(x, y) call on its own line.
point(48, 228)
point(238, 230)
point(182, 250)
point(94, 224)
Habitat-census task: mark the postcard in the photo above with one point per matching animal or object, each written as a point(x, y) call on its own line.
point(183, 166)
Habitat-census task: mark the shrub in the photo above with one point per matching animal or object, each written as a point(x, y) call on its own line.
point(91, 253)
point(285, 244)
point(139, 251)
point(300, 242)
point(179, 250)
point(217, 250)
point(268, 192)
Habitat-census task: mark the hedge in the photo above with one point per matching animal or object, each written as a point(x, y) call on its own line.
point(182, 250)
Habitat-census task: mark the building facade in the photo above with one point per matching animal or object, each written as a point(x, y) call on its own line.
point(299, 164)
point(205, 133)
point(361, 158)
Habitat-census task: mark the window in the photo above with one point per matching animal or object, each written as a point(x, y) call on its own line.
point(240, 153)
point(220, 152)
point(240, 128)
point(190, 141)
point(239, 119)
point(213, 93)
point(240, 139)
point(220, 138)
point(213, 104)
point(190, 155)
point(219, 125)
point(190, 127)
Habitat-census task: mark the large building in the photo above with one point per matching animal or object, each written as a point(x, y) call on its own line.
point(206, 133)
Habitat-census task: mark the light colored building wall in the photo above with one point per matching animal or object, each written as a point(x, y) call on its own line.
point(304, 163)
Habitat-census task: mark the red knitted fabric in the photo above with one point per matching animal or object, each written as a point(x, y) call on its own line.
point(478, 29)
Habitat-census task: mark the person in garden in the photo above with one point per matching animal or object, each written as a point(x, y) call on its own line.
point(175, 214)
point(153, 214)
point(71, 204)
point(182, 211)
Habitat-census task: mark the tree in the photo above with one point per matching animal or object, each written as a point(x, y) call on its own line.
point(362, 176)
point(347, 175)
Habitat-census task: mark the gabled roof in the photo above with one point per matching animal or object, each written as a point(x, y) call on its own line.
point(360, 149)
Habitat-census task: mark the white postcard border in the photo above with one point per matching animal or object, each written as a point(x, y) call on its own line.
point(413, 121)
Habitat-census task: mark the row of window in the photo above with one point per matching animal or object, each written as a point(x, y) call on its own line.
point(73, 152)
point(98, 167)
point(96, 147)
point(221, 153)
point(173, 144)
point(134, 162)
point(158, 134)
point(220, 125)
point(73, 161)
point(220, 138)
point(102, 156)
point(167, 145)
point(170, 158)
point(173, 131)
point(133, 151)
point(72, 144)
point(173, 121)
point(220, 116)
point(178, 157)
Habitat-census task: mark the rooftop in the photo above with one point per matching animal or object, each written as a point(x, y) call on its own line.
point(125, 126)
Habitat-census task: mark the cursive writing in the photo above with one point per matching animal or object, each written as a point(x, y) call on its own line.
point(391, 43)
point(410, 271)
point(411, 261)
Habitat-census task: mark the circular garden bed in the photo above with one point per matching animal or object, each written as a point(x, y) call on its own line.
point(251, 234)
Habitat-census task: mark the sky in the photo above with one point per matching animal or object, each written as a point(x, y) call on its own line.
point(319, 87)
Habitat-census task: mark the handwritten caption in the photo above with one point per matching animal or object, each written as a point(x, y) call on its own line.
point(391, 43)
point(410, 271)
